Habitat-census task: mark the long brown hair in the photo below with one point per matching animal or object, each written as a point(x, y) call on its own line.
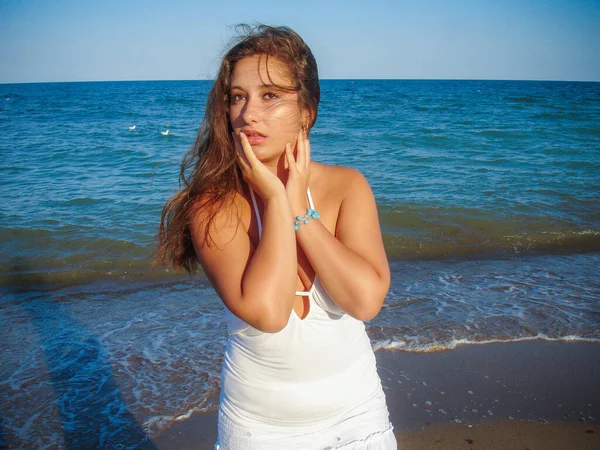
point(209, 175)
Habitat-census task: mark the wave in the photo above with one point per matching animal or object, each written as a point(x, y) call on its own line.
point(523, 99)
point(418, 232)
point(81, 201)
point(73, 254)
point(592, 131)
point(134, 263)
point(560, 116)
point(155, 424)
point(22, 275)
point(466, 243)
point(501, 134)
point(435, 347)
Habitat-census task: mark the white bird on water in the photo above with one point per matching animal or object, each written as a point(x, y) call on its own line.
point(165, 133)
point(132, 128)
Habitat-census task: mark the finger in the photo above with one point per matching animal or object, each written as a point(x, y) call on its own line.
point(250, 156)
point(241, 157)
point(289, 156)
point(301, 156)
point(307, 150)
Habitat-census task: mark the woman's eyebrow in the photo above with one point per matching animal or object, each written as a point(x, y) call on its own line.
point(262, 86)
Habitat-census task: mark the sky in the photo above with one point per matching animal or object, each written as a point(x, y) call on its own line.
point(87, 40)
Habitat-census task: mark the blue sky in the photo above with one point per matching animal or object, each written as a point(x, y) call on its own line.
point(65, 40)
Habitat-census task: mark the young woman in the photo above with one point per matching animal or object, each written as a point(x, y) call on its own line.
point(299, 371)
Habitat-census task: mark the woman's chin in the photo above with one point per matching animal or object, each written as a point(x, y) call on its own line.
point(265, 154)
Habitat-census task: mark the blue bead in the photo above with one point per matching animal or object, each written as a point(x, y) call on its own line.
point(306, 221)
point(298, 218)
point(296, 227)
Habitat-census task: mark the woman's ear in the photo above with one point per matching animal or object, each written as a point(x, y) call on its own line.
point(306, 119)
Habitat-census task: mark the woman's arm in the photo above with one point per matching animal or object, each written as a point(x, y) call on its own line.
point(352, 265)
point(258, 285)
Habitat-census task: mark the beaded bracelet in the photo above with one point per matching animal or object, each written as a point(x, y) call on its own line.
point(301, 220)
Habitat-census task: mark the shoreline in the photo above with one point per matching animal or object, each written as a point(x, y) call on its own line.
point(540, 394)
point(52, 274)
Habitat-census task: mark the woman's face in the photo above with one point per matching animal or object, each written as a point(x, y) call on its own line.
point(268, 116)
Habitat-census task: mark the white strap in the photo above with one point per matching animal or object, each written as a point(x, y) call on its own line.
point(259, 221)
point(257, 214)
point(310, 201)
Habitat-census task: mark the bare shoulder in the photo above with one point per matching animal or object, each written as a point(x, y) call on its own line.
point(339, 181)
point(217, 225)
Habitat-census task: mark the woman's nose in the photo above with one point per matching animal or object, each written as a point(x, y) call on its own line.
point(251, 112)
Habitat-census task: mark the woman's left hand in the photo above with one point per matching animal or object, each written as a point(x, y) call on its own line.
point(299, 174)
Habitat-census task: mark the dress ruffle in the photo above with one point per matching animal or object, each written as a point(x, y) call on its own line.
point(344, 436)
point(383, 440)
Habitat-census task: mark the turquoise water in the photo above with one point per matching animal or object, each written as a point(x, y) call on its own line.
point(458, 167)
point(489, 199)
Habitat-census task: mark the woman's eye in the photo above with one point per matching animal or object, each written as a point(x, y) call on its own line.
point(236, 98)
point(270, 95)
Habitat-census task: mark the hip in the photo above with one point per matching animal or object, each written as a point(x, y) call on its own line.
point(269, 397)
point(364, 422)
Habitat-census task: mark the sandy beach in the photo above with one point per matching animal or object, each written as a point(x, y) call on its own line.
point(519, 395)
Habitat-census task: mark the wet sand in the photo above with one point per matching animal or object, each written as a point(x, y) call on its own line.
point(518, 395)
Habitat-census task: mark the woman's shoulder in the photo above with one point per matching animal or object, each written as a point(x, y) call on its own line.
point(337, 180)
point(210, 217)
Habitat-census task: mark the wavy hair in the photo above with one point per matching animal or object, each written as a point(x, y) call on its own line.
point(209, 175)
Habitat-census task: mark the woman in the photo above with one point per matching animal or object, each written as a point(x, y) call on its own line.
point(299, 371)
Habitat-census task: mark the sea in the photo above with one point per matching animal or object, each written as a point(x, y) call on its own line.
point(489, 201)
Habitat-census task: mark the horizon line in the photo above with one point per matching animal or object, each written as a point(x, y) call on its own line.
point(321, 79)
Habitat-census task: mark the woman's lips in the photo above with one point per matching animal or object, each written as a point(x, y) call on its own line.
point(254, 137)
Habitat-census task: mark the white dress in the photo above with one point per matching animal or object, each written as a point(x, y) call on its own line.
point(312, 385)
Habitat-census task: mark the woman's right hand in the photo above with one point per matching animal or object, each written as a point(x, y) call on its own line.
point(264, 182)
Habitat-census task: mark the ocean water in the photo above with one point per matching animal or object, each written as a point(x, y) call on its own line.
point(489, 201)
